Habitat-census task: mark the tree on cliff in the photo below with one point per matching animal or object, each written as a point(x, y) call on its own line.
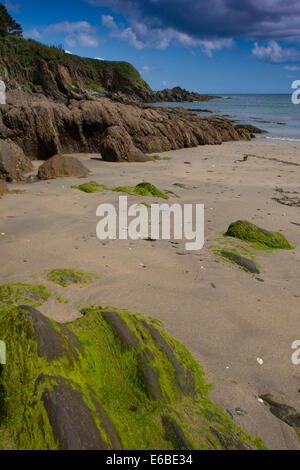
point(8, 26)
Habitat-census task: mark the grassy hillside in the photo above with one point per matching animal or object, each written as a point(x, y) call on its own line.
point(37, 67)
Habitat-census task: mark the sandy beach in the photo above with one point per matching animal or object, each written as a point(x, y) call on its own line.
point(225, 316)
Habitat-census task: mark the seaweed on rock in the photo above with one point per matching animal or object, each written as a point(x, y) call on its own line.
point(107, 380)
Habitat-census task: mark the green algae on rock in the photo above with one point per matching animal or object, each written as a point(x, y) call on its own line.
point(66, 277)
point(141, 189)
point(91, 187)
point(245, 263)
point(119, 376)
point(238, 253)
point(257, 236)
point(15, 294)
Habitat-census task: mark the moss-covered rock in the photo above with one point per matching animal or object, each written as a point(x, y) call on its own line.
point(116, 380)
point(141, 189)
point(66, 277)
point(245, 263)
point(91, 187)
point(261, 238)
point(19, 294)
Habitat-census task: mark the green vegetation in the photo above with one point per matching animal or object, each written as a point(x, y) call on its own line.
point(140, 388)
point(239, 248)
point(37, 67)
point(106, 370)
point(8, 26)
point(252, 238)
point(12, 295)
point(241, 252)
point(258, 237)
point(141, 189)
point(66, 277)
point(91, 187)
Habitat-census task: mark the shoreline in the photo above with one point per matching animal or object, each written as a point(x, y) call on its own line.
point(227, 327)
point(274, 113)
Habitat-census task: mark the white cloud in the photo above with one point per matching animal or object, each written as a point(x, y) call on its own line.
point(140, 36)
point(68, 52)
point(33, 34)
point(209, 47)
point(99, 58)
point(292, 68)
point(275, 53)
point(125, 34)
point(147, 68)
point(80, 33)
point(259, 20)
point(87, 40)
point(68, 27)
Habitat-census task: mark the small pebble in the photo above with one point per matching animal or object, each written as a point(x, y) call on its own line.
point(240, 412)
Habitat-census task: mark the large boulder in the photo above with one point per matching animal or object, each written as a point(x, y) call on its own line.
point(248, 232)
point(117, 146)
point(13, 163)
point(109, 380)
point(245, 263)
point(62, 166)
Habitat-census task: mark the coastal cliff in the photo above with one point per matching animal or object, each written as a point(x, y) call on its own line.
point(61, 103)
point(33, 67)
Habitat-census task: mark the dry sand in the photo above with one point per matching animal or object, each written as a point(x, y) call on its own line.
point(227, 327)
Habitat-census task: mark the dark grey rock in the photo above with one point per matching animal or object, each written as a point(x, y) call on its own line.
point(184, 378)
point(48, 340)
point(51, 343)
point(107, 425)
point(121, 330)
point(149, 378)
point(245, 263)
point(285, 413)
point(174, 434)
point(230, 442)
point(71, 420)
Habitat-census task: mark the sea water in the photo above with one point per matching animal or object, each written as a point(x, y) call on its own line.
point(282, 116)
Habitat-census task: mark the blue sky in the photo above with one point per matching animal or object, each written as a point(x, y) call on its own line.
point(209, 46)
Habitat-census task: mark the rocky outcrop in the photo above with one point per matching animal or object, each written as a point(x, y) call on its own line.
point(245, 263)
point(109, 380)
point(179, 95)
point(121, 132)
point(62, 166)
point(287, 414)
point(251, 233)
point(71, 420)
point(49, 71)
point(117, 145)
point(13, 163)
point(40, 70)
point(249, 128)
